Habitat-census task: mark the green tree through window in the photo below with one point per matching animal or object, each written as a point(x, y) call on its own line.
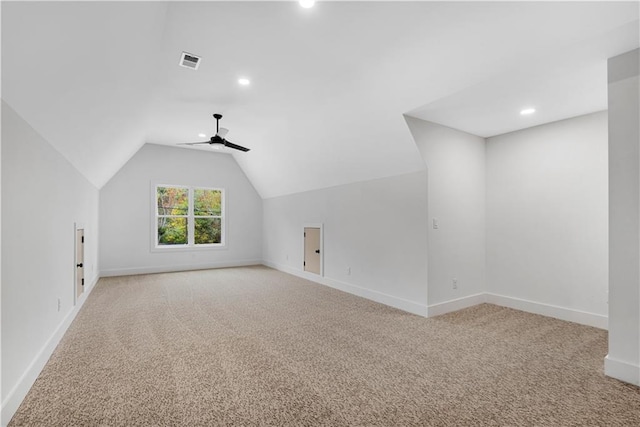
point(189, 216)
point(208, 216)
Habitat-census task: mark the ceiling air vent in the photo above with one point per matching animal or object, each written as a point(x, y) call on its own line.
point(189, 61)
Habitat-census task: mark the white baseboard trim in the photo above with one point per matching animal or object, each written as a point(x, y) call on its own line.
point(562, 313)
point(456, 304)
point(18, 393)
point(172, 268)
point(622, 371)
point(557, 312)
point(382, 298)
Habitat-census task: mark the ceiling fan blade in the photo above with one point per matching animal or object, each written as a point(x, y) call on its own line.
point(222, 132)
point(218, 138)
point(234, 146)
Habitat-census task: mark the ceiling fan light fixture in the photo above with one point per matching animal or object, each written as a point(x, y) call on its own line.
point(307, 4)
point(218, 141)
point(243, 81)
point(222, 132)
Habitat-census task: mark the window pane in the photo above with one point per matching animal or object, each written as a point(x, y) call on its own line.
point(173, 201)
point(172, 231)
point(208, 230)
point(207, 202)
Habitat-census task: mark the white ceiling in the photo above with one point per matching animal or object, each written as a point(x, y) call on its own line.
point(329, 85)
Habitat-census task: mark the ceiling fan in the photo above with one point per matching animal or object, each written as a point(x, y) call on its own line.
point(218, 138)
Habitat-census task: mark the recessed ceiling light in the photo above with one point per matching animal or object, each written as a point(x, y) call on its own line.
point(527, 111)
point(307, 3)
point(202, 135)
point(243, 81)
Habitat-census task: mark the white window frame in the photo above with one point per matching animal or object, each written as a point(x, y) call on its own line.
point(191, 217)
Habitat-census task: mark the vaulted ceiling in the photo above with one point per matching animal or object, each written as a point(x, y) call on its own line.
point(329, 85)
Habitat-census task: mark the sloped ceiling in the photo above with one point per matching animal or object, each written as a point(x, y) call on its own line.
point(81, 74)
point(329, 85)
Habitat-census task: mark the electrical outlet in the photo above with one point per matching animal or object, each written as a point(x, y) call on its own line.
point(454, 283)
point(59, 304)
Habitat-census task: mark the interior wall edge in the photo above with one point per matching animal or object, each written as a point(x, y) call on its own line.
point(623, 371)
point(563, 313)
point(176, 268)
point(548, 310)
point(6, 104)
point(19, 392)
point(534, 307)
point(456, 304)
point(379, 297)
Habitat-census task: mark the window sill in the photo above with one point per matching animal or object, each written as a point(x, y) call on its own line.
point(184, 248)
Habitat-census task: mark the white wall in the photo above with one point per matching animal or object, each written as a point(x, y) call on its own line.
point(623, 360)
point(42, 197)
point(126, 209)
point(456, 199)
point(547, 218)
point(377, 228)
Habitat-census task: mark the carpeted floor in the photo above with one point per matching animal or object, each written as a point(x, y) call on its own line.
point(256, 347)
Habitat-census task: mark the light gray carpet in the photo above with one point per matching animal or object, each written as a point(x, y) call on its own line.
point(256, 347)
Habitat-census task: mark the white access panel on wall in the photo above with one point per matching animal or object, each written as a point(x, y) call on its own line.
point(79, 261)
point(313, 253)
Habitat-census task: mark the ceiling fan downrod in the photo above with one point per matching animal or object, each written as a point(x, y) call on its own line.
point(217, 116)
